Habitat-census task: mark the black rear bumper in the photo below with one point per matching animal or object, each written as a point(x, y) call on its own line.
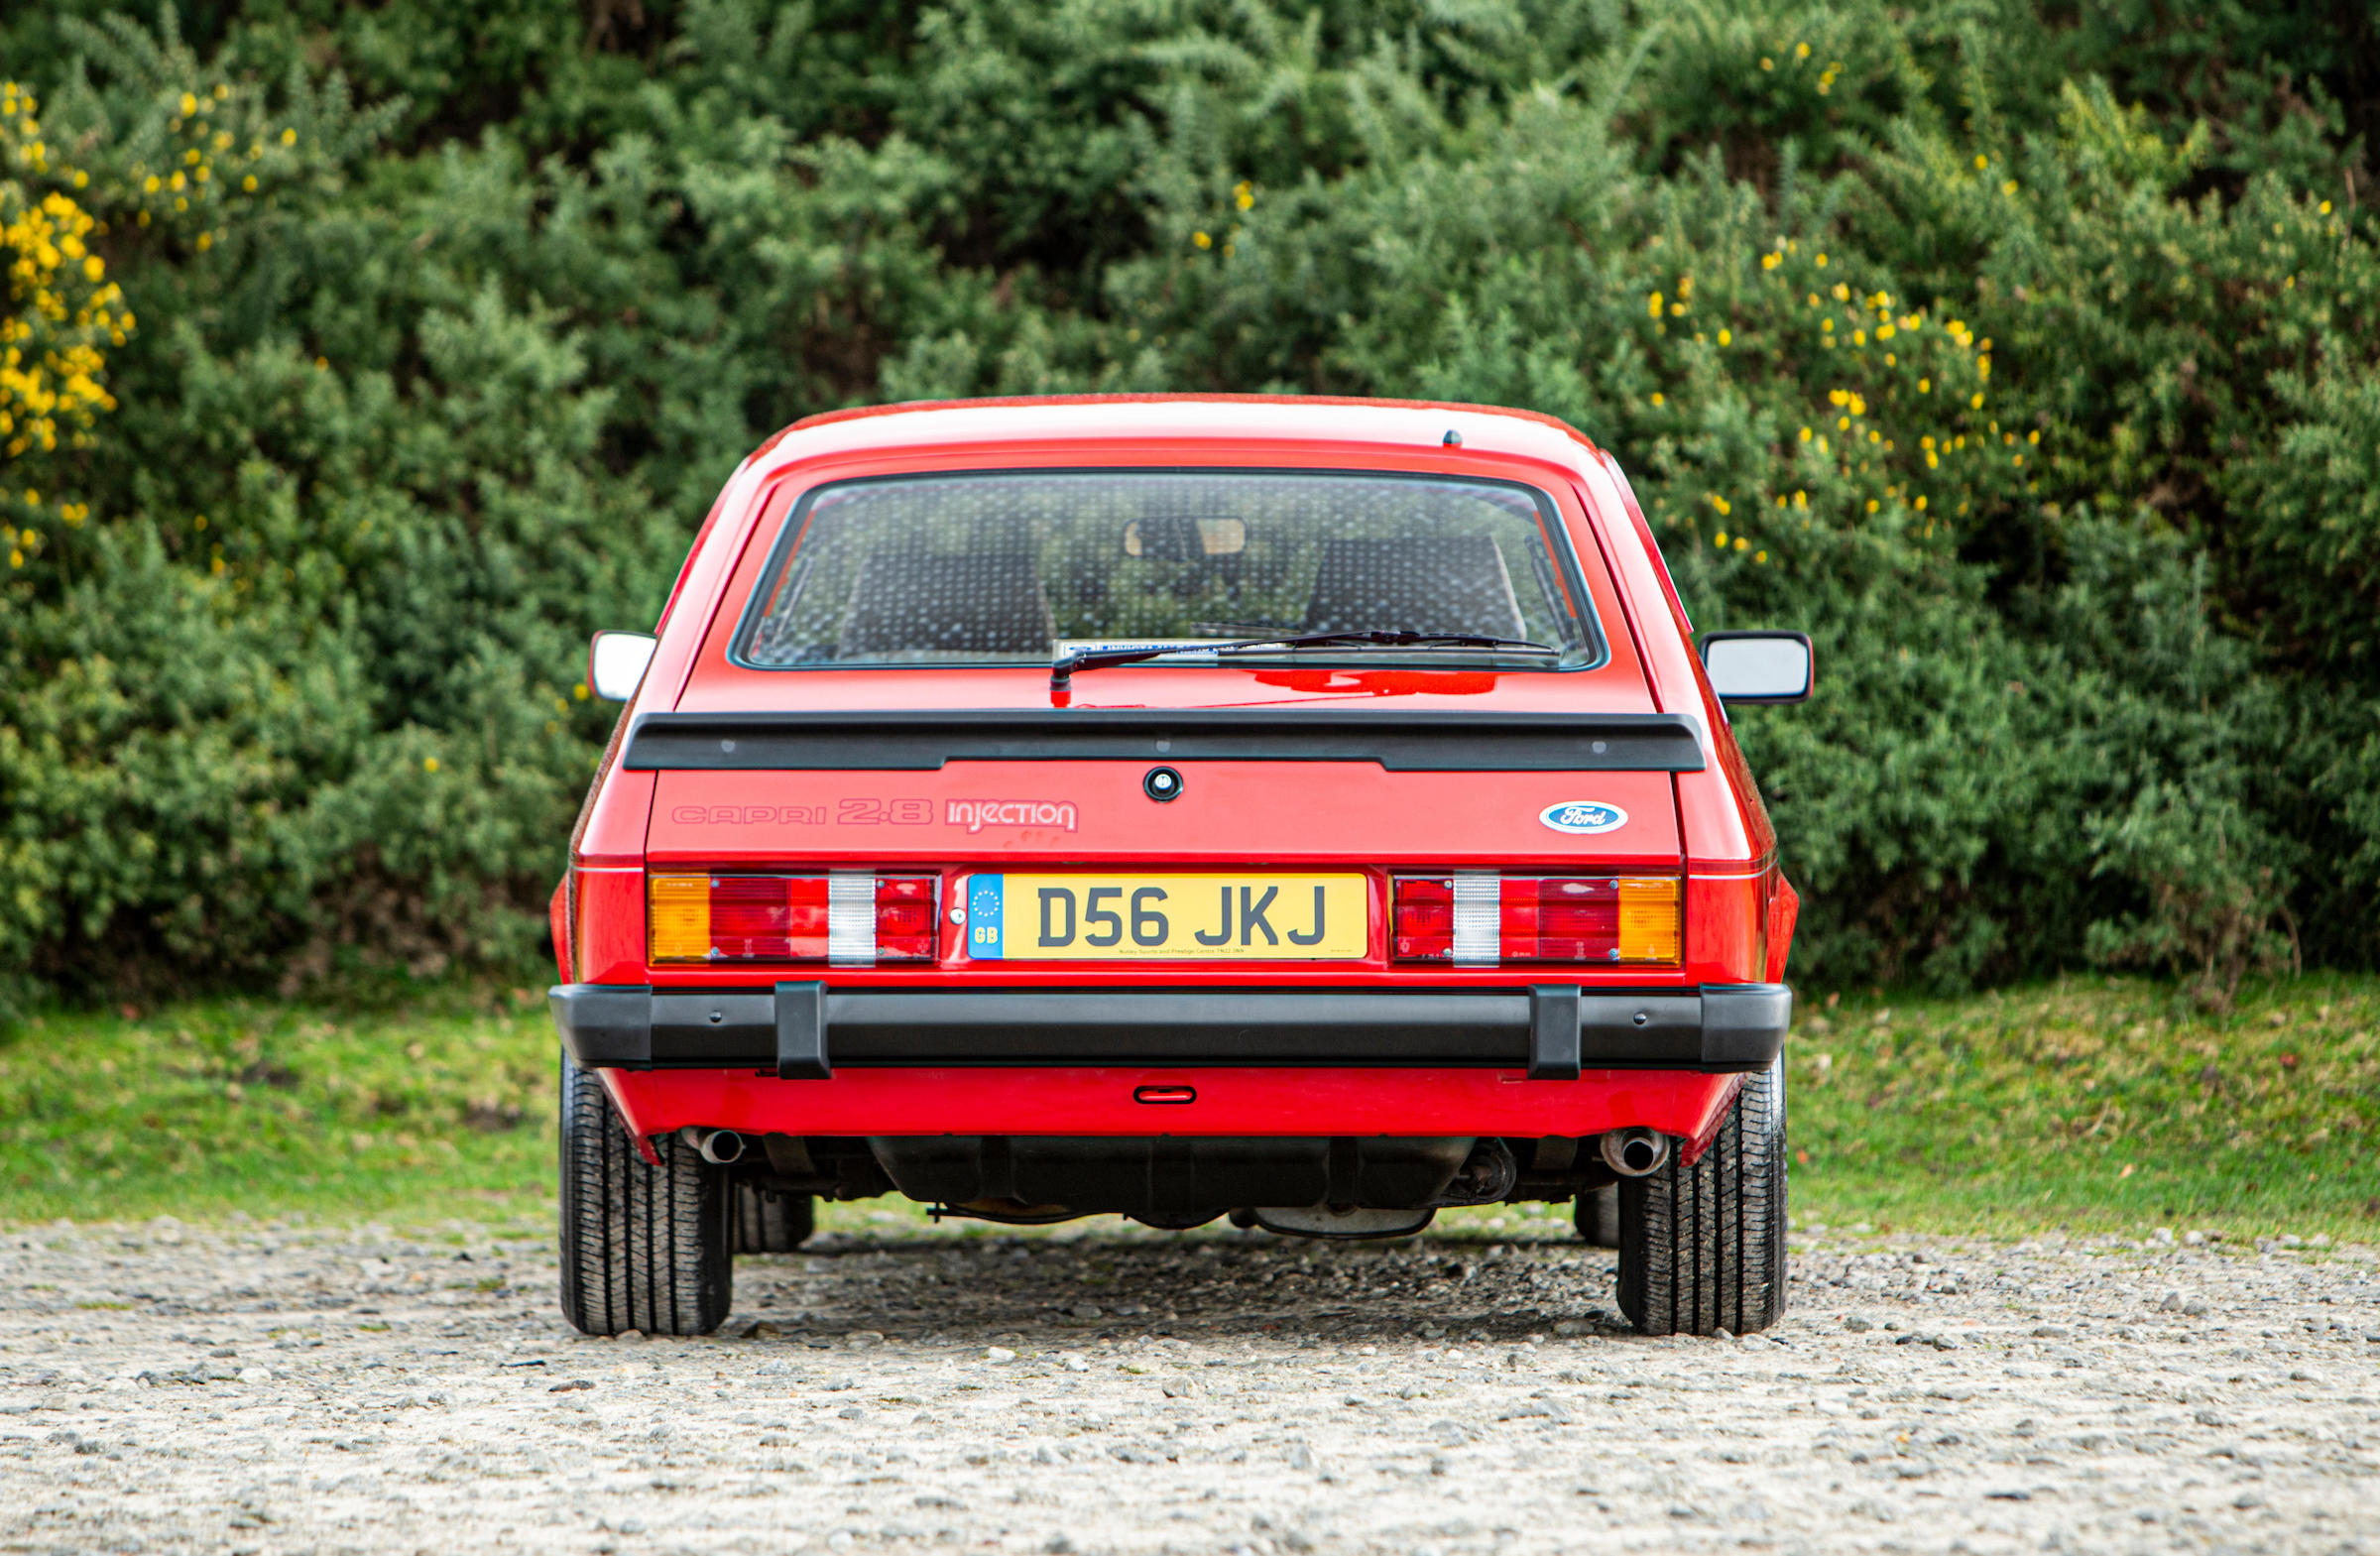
point(801, 1030)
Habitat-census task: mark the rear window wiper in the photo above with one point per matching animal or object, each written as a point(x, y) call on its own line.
point(1384, 637)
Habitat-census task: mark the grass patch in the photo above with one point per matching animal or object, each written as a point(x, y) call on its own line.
point(2097, 1105)
point(441, 1108)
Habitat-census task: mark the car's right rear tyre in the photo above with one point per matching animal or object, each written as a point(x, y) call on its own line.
point(771, 1223)
point(645, 1245)
point(1702, 1248)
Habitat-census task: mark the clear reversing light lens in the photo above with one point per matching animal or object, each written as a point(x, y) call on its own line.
point(1483, 920)
point(853, 920)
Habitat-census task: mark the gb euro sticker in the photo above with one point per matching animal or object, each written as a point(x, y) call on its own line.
point(1584, 817)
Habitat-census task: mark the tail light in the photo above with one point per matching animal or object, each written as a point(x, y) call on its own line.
point(848, 920)
point(1483, 920)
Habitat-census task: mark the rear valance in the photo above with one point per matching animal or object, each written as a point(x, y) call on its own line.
point(1432, 742)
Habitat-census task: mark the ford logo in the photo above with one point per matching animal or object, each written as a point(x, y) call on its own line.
point(1584, 816)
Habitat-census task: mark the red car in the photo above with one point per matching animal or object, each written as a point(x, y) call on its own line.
point(1314, 812)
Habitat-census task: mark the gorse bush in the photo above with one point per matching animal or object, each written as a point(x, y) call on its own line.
point(361, 361)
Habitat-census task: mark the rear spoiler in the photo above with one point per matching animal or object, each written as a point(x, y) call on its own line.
point(1402, 742)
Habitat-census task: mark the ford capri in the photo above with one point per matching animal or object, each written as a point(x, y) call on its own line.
point(1313, 813)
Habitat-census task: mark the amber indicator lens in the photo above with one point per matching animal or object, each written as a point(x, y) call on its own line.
point(850, 920)
point(1485, 920)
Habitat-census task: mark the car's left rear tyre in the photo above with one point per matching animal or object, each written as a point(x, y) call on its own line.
point(644, 1245)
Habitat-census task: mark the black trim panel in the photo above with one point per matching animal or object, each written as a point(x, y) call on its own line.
point(1402, 742)
point(802, 1031)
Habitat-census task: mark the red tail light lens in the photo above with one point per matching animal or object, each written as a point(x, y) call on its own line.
point(1486, 920)
point(904, 918)
point(848, 920)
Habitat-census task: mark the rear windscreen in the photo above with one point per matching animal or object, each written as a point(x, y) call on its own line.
point(1020, 566)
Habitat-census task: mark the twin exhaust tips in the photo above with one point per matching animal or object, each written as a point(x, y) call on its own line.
point(1631, 1153)
point(1634, 1152)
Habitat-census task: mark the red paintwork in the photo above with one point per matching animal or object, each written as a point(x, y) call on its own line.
point(1082, 1100)
point(1739, 911)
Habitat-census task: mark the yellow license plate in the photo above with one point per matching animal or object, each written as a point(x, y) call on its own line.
point(1172, 918)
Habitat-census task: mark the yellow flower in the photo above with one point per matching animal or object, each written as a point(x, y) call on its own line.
point(1801, 50)
point(1871, 505)
point(249, 183)
point(2325, 207)
point(189, 105)
point(1720, 504)
point(1658, 396)
point(1801, 499)
point(1805, 434)
point(1771, 261)
point(2009, 187)
point(1925, 386)
point(1822, 261)
point(1981, 161)
point(1921, 505)
point(1720, 539)
point(1653, 305)
point(1760, 557)
point(1766, 63)
point(2033, 436)
point(1743, 545)
point(1202, 240)
point(580, 691)
point(1975, 402)
point(1245, 195)
point(1726, 338)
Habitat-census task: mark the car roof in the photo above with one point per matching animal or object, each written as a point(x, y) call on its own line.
point(1305, 418)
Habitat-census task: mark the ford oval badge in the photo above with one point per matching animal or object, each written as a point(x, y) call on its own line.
point(1584, 816)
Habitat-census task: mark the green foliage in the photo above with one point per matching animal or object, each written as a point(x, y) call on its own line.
point(2025, 356)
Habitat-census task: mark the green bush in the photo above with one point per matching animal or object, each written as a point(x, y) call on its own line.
point(2023, 355)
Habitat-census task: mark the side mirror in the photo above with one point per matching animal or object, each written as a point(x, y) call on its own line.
point(1758, 667)
point(616, 664)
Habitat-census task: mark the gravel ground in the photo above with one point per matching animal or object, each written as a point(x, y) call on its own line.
point(272, 1389)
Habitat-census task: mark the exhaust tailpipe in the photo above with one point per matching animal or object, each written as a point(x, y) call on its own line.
point(716, 1147)
point(1634, 1152)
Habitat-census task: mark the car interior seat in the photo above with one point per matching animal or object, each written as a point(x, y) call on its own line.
point(1446, 583)
point(912, 601)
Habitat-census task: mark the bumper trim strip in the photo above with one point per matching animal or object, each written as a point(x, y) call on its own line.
point(1551, 1031)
